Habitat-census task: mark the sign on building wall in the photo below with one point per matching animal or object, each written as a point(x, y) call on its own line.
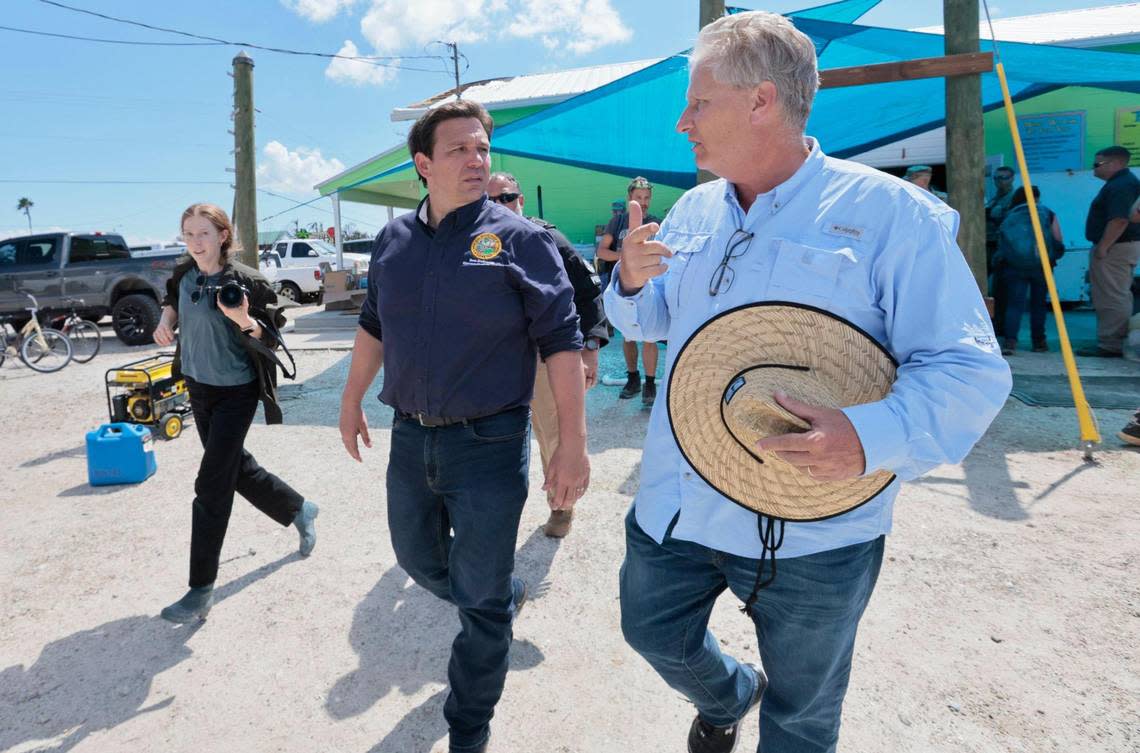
point(1128, 131)
point(1053, 141)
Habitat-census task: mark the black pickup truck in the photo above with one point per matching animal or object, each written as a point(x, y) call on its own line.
point(92, 267)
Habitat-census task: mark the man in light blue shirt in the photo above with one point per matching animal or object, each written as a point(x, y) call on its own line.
point(867, 247)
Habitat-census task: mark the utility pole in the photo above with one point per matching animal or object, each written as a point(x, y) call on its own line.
point(711, 10)
point(965, 141)
point(455, 62)
point(245, 170)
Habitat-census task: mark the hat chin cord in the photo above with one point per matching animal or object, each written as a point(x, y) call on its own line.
point(770, 541)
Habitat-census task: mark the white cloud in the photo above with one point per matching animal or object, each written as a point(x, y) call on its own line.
point(294, 171)
point(580, 26)
point(393, 26)
point(397, 24)
point(318, 10)
point(357, 72)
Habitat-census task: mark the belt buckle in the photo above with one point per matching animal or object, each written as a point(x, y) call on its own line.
point(420, 419)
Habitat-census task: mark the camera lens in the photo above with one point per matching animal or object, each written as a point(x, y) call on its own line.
point(230, 295)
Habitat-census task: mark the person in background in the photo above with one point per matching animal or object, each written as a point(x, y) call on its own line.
point(225, 355)
point(504, 189)
point(996, 208)
point(603, 267)
point(639, 190)
point(921, 175)
point(1116, 250)
point(1018, 263)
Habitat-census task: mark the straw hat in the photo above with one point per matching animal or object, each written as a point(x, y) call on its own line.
point(721, 402)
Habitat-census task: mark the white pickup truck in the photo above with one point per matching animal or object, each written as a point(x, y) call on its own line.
point(298, 284)
point(314, 252)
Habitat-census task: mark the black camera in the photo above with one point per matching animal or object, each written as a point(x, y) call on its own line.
point(229, 293)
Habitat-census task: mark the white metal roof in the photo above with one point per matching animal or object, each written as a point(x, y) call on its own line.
point(1082, 27)
point(534, 89)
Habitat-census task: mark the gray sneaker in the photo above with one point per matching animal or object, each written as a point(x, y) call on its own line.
point(304, 524)
point(195, 605)
point(705, 738)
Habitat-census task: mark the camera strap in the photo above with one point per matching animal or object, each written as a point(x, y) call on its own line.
point(268, 353)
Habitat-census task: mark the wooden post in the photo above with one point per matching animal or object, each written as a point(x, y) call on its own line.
point(711, 10)
point(245, 170)
point(965, 137)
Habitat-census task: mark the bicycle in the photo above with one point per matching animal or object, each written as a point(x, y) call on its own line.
point(42, 349)
point(86, 339)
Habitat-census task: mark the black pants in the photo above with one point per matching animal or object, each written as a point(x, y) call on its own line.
point(223, 416)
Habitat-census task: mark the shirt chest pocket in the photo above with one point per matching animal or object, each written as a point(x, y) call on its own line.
point(687, 248)
point(808, 274)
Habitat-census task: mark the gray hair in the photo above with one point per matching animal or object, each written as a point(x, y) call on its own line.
point(746, 49)
point(507, 177)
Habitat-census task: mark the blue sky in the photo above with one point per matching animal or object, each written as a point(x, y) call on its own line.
point(81, 111)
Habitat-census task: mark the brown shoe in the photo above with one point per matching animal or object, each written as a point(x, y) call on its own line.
point(559, 524)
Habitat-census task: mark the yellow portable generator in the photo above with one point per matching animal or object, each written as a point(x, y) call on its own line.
point(146, 392)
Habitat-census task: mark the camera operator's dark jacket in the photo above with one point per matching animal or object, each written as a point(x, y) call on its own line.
point(263, 308)
point(587, 286)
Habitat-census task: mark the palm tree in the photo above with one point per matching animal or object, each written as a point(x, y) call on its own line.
point(25, 205)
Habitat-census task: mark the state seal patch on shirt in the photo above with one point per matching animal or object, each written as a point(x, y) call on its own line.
point(486, 246)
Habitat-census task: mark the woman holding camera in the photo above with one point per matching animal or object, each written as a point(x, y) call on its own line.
point(227, 319)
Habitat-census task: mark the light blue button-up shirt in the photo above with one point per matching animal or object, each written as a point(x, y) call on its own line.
point(868, 247)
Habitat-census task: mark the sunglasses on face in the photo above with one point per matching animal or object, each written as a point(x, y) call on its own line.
point(504, 198)
point(1098, 164)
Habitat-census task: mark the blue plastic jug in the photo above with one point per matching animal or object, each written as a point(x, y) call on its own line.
point(119, 453)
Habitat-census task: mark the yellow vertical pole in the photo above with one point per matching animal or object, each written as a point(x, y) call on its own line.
point(1089, 433)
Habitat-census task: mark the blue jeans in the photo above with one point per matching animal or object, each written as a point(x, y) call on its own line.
point(455, 496)
point(805, 628)
point(1020, 286)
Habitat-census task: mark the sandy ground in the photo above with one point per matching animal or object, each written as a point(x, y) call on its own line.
point(1006, 617)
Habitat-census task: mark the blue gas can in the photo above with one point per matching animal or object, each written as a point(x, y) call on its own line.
point(119, 453)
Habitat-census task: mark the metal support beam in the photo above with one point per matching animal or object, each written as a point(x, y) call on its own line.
point(338, 236)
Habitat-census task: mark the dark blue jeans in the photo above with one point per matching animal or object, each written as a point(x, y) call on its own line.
point(805, 628)
point(455, 496)
point(1020, 286)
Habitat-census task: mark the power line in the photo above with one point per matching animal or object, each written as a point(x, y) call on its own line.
point(295, 206)
point(112, 41)
point(121, 182)
point(376, 60)
point(319, 209)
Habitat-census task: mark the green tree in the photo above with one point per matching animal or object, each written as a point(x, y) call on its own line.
point(25, 205)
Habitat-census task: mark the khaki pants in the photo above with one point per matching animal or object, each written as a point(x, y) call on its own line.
point(544, 417)
point(1111, 279)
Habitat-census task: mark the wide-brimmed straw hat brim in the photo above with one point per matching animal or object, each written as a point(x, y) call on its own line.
point(746, 354)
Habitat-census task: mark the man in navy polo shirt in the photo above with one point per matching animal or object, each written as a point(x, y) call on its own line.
point(1115, 251)
point(464, 296)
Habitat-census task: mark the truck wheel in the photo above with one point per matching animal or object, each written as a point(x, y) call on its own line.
point(135, 317)
point(291, 291)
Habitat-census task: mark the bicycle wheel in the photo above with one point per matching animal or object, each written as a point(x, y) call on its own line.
point(46, 352)
point(86, 339)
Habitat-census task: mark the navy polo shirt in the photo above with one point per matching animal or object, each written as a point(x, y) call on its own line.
point(464, 308)
point(1112, 203)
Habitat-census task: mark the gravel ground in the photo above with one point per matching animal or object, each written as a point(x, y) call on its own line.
point(1005, 618)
